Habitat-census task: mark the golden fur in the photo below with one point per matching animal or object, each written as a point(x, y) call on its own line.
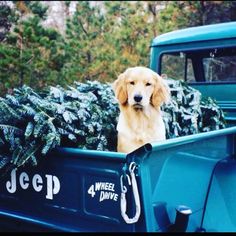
point(140, 93)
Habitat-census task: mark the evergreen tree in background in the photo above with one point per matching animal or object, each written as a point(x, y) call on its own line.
point(182, 14)
point(130, 34)
point(84, 43)
point(31, 54)
point(7, 18)
point(100, 42)
point(101, 45)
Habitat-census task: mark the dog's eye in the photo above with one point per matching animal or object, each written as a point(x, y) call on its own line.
point(148, 84)
point(132, 82)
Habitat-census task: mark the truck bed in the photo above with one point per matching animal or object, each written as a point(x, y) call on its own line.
point(78, 190)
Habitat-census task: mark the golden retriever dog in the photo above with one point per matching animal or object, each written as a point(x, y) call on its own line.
point(140, 93)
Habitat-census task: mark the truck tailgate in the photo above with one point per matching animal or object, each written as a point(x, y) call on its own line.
point(71, 190)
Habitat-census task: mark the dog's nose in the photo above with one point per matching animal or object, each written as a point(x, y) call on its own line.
point(137, 98)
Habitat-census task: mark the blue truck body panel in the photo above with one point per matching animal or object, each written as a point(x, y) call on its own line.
point(72, 208)
point(197, 34)
point(179, 172)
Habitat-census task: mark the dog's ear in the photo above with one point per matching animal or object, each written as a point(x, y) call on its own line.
point(120, 90)
point(161, 92)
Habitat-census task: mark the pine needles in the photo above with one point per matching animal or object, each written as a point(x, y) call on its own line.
point(190, 113)
point(85, 116)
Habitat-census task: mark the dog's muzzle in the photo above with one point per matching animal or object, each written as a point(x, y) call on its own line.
point(138, 98)
point(137, 106)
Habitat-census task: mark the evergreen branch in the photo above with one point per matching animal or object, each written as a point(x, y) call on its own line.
point(29, 154)
point(10, 127)
point(81, 24)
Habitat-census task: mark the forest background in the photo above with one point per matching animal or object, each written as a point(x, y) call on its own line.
point(97, 40)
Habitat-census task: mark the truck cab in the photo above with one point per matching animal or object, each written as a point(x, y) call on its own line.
point(205, 58)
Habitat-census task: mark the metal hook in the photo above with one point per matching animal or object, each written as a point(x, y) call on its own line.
point(123, 202)
point(123, 188)
point(132, 167)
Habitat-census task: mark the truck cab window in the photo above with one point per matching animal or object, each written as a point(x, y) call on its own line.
point(173, 65)
point(210, 65)
point(220, 69)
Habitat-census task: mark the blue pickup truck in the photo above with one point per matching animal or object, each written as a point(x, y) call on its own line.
point(181, 184)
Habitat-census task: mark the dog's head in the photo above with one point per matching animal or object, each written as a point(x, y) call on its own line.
point(139, 87)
